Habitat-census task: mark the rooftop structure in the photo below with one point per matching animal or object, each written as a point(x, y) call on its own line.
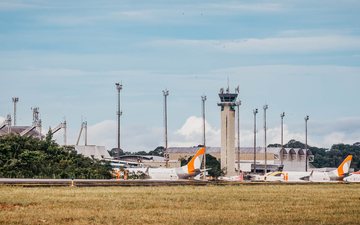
point(151, 161)
point(93, 151)
point(26, 130)
point(293, 158)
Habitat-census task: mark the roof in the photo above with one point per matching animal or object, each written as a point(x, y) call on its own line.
point(18, 130)
point(143, 157)
point(93, 151)
point(249, 150)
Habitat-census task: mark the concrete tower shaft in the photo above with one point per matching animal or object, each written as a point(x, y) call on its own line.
point(228, 104)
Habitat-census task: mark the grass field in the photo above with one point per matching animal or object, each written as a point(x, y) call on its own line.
point(245, 204)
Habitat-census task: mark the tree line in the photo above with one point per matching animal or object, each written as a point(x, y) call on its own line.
point(27, 157)
point(329, 157)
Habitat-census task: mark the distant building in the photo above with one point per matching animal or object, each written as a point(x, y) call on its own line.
point(93, 151)
point(150, 160)
point(293, 159)
point(21, 130)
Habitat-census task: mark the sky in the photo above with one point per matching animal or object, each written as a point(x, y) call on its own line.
point(299, 57)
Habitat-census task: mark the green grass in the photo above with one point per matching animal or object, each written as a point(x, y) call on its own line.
point(246, 204)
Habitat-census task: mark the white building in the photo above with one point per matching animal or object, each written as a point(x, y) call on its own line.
point(290, 159)
point(93, 151)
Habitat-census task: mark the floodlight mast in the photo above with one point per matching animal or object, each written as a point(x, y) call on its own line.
point(118, 113)
point(306, 144)
point(166, 154)
point(85, 127)
point(65, 127)
point(203, 99)
point(255, 112)
point(265, 141)
point(282, 115)
point(15, 101)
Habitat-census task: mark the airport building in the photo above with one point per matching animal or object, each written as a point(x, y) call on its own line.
point(93, 151)
point(227, 105)
point(290, 159)
point(21, 130)
point(33, 130)
point(151, 161)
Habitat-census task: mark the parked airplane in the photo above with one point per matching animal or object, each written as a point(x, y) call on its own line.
point(232, 178)
point(192, 169)
point(354, 177)
point(313, 176)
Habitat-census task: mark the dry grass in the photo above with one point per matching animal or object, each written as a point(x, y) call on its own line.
point(248, 204)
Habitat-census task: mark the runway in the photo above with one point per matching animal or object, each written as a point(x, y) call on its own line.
point(128, 183)
point(96, 183)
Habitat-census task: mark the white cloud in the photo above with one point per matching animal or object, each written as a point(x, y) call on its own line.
point(286, 70)
point(174, 13)
point(245, 7)
point(137, 138)
point(191, 133)
point(16, 5)
point(308, 44)
point(104, 133)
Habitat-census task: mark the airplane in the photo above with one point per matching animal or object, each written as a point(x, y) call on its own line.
point(313, 176)
point(192, 169)
point(353, 178)
point(232, 178)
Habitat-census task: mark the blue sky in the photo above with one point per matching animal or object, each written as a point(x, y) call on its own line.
point(301, 57)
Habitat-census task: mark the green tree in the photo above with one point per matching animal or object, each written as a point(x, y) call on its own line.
point(27, 157)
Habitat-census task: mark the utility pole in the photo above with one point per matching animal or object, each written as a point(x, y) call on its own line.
point(265, 108)
point(166, 154)
point(306, 145)
point(15, 101)
point(255, 112)
point(238, 103)
point(64, 127)
point(282, 115)
point(85, 127)
point(203, 98)
point(119, 113)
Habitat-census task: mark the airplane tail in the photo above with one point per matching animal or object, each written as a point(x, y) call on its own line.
point(344, 167)
point(195, 163)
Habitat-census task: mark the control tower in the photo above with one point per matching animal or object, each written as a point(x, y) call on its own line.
point(227, 104)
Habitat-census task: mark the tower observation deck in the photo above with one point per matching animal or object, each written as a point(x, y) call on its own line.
point(227, 104)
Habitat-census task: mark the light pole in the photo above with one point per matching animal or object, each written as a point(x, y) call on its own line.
point(265, 108)
point(282, 115)
point(306, 145)
point(119, 113)
point(166, 154)
point(238, 103)
point(255, 112)
point(15, 101)
point(203, 99)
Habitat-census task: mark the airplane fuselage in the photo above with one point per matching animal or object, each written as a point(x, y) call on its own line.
point(165, 173)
